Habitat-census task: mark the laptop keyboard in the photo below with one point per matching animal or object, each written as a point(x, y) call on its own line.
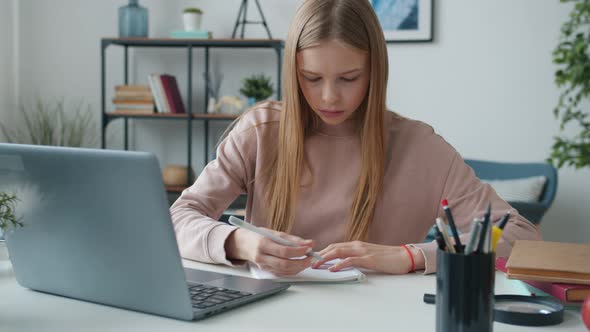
point(204, 296)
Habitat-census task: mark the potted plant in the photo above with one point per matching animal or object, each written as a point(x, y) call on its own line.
point(52, 123)
point(8, 219)
point(191, 18)
point(573, 77)
point(256, 88)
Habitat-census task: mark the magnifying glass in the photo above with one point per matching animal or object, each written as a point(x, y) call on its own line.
point(522, 310)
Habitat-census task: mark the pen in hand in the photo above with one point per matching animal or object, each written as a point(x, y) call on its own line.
point(242, 224)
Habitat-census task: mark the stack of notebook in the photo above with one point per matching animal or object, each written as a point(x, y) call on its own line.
point(559, 269)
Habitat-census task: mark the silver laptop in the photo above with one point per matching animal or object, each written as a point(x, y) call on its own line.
point(97, 228)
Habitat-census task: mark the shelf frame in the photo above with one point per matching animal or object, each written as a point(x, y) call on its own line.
point(188, 44)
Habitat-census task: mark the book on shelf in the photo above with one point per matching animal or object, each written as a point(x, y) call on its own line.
point(564, 292)
point(125, 101)
point(133, 98)
point(156, 89)
point(134, 111)
point(166, 93)
point(172, 93)
point(132, 88)
point(130, 95)
point(550, 262)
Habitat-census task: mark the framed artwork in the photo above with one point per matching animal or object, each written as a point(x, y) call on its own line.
point(405, 20)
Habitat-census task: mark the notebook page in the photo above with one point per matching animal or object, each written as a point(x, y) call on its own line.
point(321, 274)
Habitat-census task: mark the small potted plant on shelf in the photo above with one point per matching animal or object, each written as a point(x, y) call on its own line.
point(256, 88)
point(191, 17)
point(8, 219)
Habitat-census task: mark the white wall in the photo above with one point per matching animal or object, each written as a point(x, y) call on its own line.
point(7, 91)
point(485, 83)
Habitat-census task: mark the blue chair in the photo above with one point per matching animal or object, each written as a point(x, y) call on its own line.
point(491, 170)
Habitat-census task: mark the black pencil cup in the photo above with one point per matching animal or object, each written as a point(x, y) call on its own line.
point(464, 292)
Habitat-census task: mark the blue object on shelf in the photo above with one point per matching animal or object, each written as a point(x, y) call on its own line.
point(133, 20)
point(196, 34)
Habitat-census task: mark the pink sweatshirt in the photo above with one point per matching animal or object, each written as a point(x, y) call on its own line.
point(421, 169)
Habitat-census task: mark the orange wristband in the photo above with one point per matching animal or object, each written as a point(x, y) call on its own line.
point(411, 258)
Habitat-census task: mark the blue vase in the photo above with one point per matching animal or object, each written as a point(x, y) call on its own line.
point(133, 20)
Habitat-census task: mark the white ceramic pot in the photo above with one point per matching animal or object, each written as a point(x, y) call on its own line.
point(191, 21)
point(3, 251)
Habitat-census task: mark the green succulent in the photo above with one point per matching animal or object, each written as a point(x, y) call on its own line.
point(573, 77)
point(193, 10)
point(257, 86)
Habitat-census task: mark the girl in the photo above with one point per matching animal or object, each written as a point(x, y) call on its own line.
point(332, 166)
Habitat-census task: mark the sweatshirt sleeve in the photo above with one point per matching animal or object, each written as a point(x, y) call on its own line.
point(194, 215)
point(468, 198)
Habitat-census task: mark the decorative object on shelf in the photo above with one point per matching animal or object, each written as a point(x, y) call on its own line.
point(49, 123)
point(241, 19)
point(133, 20)
point(196, 34)
point(256, 88)
point(229, 105)
point(573, 77)
point(176, 175)
point(405, 21)
point(213, 83)
point(191, 19)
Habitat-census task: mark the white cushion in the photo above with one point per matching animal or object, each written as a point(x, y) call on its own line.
point(519, 190)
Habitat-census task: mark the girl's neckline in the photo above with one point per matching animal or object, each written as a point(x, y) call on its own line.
point(348, 128)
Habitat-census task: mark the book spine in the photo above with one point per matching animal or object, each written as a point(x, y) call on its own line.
point(132, 88)
point(156, 93)
point(165, 99)
point(123, 101)
point(176, 95)
point(172, 93)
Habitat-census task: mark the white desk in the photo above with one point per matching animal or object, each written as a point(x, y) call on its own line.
point(382, 303)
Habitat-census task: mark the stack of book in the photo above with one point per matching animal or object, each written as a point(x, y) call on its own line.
point(133, 99)
point(559, 269)
point(164, 88)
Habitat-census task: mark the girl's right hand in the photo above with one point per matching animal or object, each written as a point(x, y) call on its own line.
point(267, 254)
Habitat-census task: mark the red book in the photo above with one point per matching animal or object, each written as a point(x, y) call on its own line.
point(172, 93)
point(564, 292)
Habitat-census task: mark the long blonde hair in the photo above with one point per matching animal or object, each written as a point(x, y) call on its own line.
point(354, 23)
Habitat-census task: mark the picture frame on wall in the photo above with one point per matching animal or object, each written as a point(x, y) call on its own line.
point(405, 20)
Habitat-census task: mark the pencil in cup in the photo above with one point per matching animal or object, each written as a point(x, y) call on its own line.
point(445, 234)
point(242, 224)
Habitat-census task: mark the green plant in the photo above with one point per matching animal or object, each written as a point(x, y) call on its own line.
point(257, 86)
point(573, 76)
point(51, 124)
point(7, 211)
point(193, 11)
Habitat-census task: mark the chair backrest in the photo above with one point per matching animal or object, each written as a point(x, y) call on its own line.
point(490, 170)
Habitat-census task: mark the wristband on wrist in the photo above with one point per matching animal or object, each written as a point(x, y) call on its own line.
point(413, 267)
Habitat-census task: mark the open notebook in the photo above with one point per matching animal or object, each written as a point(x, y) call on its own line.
point(321, 274)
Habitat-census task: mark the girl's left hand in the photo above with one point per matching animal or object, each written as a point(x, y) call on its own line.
point(387, 259)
